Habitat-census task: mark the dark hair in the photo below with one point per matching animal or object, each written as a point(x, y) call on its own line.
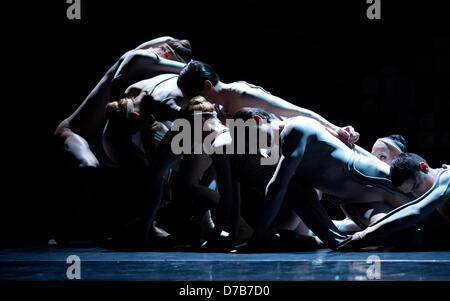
point(245, 114)
point(182, 48)
point(248, 113)
point(399, 140)
point(405, 166)
point(193, 76)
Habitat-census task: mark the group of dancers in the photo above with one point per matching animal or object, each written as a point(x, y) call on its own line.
point(391, 198)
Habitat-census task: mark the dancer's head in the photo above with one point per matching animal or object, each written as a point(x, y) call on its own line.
point(197, 78)
point(131, 112)
point(198, 105)
point(411, 174)
point(261, 120)
point(175, 50)
point(123, 112)
point(387, 148)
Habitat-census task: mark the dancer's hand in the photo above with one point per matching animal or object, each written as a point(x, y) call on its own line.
point(358, 236)
point(352, 243)
point(348, 135)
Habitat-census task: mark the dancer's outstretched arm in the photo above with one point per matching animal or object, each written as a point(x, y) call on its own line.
point(138, 65)
point(146, 62)
point(409, 214)
point(281, 107)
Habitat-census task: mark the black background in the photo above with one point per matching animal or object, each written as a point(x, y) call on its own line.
point(381, 76)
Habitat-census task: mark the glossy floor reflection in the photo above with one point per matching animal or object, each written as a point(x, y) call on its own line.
point(44, 263)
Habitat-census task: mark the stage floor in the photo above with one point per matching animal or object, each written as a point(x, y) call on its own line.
point(40, 263)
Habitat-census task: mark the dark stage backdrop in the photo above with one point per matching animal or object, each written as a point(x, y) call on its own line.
point(381, 76)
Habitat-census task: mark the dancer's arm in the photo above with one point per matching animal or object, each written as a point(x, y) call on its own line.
point(282, 107)
point(409, 214)
point(193, 168)
point(293, 148)
point(138, 65)
point(275, 193)
point(146, 62)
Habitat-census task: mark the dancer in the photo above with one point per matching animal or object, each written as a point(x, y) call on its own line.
point(231, 97)
point(320, 160)
point(79, 137)
point(198, 78)
point(387, 148)
point(410, 173)
point(81, 132)
point(288, 231)
point(128, 137)
point(133, 118)
point(133, 112)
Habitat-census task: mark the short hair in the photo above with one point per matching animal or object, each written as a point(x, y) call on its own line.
point(193, 76)
point(245, 114)
point(405, 166)
point(248, 113)
point(399, 140)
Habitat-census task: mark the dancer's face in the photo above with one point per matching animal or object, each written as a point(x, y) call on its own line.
point(420, 184)
point(382, 152)
point(190, 93)
point(208, 91)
